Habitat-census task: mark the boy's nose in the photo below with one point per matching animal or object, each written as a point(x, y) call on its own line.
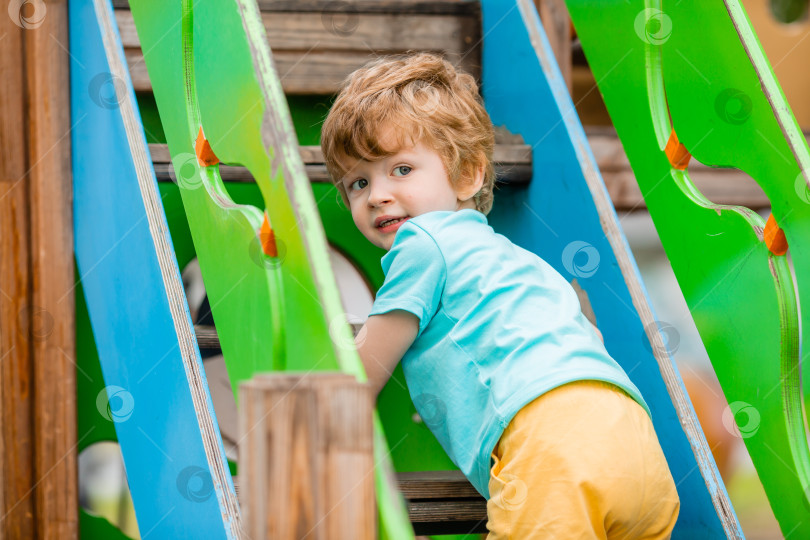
point(379, 193)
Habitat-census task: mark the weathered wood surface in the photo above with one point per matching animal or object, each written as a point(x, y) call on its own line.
point(53, 317)
point(557, 24)
point(16, 437)
point(39, 494)
point(307, 441)
point(315, 49)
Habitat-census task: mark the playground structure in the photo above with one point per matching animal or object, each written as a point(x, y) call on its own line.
point(250, 285)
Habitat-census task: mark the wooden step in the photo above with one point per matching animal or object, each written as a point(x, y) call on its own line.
point(443, 502)
point(439, 502)
point(316, 44)
point(513, 164)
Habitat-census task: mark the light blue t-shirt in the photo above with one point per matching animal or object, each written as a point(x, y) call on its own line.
point(498, 327)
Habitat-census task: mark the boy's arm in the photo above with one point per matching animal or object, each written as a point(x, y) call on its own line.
point(598, 333)
point(382, 342)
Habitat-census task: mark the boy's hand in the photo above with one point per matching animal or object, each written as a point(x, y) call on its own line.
point(382, 342)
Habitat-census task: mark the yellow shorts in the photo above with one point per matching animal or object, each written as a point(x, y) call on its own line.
point(581, 461)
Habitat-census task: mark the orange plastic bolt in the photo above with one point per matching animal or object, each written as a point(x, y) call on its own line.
point(775, 237)
point(677, 153)
point(205, 156)
point(268, 238)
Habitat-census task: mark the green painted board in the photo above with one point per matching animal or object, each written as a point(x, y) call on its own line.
point(698, 67)
point(210, 67)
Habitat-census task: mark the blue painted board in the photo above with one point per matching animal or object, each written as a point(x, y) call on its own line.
point(557, 217)
point(172, 476)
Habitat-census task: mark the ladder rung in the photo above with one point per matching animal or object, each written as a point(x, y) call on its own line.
point(439, 502)
point(513, 164)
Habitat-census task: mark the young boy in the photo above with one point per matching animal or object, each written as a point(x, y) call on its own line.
point(500, 362)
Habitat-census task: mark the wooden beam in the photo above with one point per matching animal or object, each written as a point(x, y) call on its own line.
point(16, 424)
point(423, 7)
point(513, 164)
point(38, 462)
point(52, 312)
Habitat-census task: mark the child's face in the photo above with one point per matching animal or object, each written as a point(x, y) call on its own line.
point(407, 184)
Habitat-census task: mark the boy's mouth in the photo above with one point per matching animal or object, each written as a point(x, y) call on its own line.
point(388, 224)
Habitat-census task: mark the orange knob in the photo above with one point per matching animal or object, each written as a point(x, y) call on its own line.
point(205, 156)
point(268, 238)
point(677, 153)
point(775, 237)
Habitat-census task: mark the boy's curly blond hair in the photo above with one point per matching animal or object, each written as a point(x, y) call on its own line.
point(426, 100)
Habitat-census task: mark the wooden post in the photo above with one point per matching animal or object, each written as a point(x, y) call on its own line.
point(306, 457)
point(16, 436)
point(38, 461)
point(557, 24)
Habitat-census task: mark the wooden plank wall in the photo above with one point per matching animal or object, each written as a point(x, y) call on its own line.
point(38, 462)
point(317, 43)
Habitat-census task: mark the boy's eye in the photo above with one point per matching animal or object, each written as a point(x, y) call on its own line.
point(360, 183)
point(404, 170)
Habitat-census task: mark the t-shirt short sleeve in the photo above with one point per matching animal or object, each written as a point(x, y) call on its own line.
point(415, 275)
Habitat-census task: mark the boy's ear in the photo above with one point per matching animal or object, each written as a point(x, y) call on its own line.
point(471, 183)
